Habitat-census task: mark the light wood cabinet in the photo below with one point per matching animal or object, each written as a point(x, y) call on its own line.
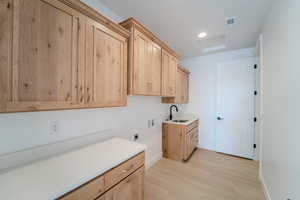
point(106, 66)
point(55, 54)
point(179, 141)
point(130, 188)
point(182, 88)
point(169, 74)
point(145, 61)
point(126, 181)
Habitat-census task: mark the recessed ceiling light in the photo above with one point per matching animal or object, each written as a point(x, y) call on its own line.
point(202, 35)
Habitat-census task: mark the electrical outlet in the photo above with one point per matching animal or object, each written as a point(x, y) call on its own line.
point(153, 122)
point(136, 137)
point(54, 127)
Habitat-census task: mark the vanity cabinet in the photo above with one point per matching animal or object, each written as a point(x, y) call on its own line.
point(179, 141)
point(147, 65)
point(169, 74)
point(57, 54)
point(182, 88)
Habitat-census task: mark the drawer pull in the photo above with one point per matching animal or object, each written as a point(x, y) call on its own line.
point(128, 169)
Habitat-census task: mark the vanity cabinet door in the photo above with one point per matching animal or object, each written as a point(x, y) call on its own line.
point(131, 188)
point(44, 69)
point(106, 67)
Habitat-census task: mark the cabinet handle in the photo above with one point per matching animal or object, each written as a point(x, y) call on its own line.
point(89, 98)
point(81, 99)
point(128, 169)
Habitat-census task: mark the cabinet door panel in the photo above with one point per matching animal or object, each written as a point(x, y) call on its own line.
point(5, 52)
point(131, 188)
point(45, 49)
point(147, 66)
point(155, 70)
point(105, 67)
point(169, 71)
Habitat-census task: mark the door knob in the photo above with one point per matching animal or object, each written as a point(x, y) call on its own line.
point(220, 118)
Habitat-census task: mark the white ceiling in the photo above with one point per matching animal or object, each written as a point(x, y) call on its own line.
point(178, 22)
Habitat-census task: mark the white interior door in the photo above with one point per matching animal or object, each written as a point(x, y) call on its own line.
point(235, 108)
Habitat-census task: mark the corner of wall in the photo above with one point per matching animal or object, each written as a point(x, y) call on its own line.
point(264, 186)
point(154, 159)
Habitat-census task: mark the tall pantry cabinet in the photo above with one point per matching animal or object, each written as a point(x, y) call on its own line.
point(59, 54)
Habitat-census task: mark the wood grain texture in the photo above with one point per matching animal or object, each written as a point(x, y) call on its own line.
point(106, 67)
point(179, 141)
point(132, 22)
point(182, 88)
point(131, 188)
point(207, 175)
point(6, 16)
point(145, 68)
point(96, 16)
point(50, 59)
point(169, 72)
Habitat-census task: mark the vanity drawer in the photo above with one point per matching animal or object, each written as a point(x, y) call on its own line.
point(193, 125)
point(88, 191)
point(122, 171)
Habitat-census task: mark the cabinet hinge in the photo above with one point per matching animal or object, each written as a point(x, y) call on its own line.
point(254, 146)
point(255, 119)
point(255, 92)
point(255, 66)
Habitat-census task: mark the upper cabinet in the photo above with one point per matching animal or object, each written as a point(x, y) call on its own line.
point(147, 65)
point(169, 74)
point(56, 54)
point(106, 66)
point(182, 88)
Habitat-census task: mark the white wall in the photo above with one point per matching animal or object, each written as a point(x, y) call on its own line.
point(26, 136)
point(203, 82)
point(281, 101)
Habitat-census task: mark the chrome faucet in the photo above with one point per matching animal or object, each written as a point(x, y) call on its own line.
point(171, 107)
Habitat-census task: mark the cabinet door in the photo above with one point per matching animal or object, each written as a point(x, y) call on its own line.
point(131, 188)
point(185, 88)
point(179, 87)
point(46, 38)
point(154, 70)
point(146, 66)
point(169, 71)
point(106, 66)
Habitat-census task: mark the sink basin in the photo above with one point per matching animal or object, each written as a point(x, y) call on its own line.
point(180, 121)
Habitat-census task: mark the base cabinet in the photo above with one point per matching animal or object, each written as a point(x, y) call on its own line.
point(124, 182)
point(129, 189)
point(179, 141)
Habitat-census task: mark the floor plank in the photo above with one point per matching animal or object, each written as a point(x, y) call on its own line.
point(207, 175)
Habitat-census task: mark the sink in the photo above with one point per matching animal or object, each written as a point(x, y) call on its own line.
point(180, 121)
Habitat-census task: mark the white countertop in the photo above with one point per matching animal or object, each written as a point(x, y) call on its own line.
point(51, 178)
point(190, 118)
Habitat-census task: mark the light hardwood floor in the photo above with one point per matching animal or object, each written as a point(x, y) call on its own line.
point(207, 175)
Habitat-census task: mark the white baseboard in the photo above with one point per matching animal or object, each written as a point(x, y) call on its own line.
point(265, 188)
point(153, 160)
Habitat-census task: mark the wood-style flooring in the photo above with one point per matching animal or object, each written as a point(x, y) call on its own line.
point(206, 176)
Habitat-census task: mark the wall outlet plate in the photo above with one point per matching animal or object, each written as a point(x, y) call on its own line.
point(54, 127)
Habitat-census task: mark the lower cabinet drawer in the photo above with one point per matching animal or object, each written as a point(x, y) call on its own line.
point(115, 175)
point(131, 188)
point(88, 191)
point(192, 126)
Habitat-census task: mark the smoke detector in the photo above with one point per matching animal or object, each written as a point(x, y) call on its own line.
point(230, 21)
